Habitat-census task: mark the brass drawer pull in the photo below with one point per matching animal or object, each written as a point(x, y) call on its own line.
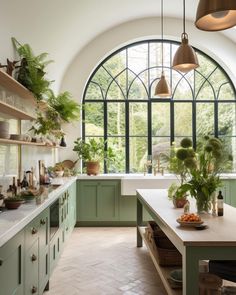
point(33, 290)
point(42, 221)
point(33, 257)
point(34, 231)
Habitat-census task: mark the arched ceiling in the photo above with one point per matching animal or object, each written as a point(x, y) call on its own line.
point(62, 28)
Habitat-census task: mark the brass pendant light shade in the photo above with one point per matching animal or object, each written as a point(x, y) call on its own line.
point(162, 88)
point(185, 58)
point(216, 15)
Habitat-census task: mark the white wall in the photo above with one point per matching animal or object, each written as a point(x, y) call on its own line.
point(214, 44)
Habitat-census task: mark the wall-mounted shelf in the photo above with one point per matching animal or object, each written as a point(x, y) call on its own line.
point(13, 112)
point(19, 142)
point(15, 87)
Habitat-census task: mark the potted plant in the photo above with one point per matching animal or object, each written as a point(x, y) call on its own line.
point(13, 202)
point(92, 152)
point(177, 166)
point(204, 169)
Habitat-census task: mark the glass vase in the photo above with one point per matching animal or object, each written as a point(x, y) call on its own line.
point(203, 203)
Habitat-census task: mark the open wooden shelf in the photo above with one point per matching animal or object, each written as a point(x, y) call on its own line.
point(15, 87)
point(14, 112)
point(164, 272)
point(19, 142)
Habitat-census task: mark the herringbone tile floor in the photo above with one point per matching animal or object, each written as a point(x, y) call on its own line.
point(105, 261)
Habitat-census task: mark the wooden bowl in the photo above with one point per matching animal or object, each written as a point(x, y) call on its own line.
point(10, 204)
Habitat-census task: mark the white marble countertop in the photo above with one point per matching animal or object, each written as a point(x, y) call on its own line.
point(13, 221)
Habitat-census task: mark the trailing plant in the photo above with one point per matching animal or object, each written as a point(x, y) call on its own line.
point(67, 109)
point(31, 72)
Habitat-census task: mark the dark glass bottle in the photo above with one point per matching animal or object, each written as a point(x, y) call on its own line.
point(9, 191)
point(220, 204)
point(24, 183)
point(63, 142)
point(14, 188)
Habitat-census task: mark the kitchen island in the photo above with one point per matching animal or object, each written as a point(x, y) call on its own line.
point(217, 242)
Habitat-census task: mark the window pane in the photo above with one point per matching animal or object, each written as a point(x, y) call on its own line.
point(117, 89)
point(230, 143)
point(226, 119)
point(183, 119)
point(101, 78)
point(160, 145)
point(138, 86)
point(205, 119)
point(161, 119)
point(94, 116)
point(118, 146)
point(116, 64)
point(138, 153)
point(203, 89)
point(182, 85)
point(226, 92)
point(138, 119)
point(138, 58)
point(116, 118)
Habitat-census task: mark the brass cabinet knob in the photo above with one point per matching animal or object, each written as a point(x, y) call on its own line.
point(33, 257)
point(33, 289)
point(42, 221)
point(34, 231)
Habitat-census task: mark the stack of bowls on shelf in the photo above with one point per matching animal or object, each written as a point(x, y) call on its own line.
point(4, 129)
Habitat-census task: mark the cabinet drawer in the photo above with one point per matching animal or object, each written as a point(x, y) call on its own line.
point(32, 232)
point(31, 269)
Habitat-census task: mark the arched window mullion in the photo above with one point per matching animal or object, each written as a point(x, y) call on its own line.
point(183, 77)
point(206, 80)
point(114, 80)
point(137, 76)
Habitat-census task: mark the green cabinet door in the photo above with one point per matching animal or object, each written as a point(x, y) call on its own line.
point(232, 183)
point(98, 200)
point(226, 191)
point(108, 201)
point(11, 266)
point(72, 206)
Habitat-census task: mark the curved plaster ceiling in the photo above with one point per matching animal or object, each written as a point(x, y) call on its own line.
point(62, 28)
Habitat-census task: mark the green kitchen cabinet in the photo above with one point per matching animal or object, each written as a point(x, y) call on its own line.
point(12, 266)
point(233, 192)
point(36, 254)
point(226, 191)
point(72, 206)
point(98, 200)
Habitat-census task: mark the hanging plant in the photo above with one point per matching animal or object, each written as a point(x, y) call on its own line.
point(31, 72)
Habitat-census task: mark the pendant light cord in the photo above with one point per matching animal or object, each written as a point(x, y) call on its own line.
point(162, 60)
point(184, 17)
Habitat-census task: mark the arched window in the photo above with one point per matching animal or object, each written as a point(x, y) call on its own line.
point(119, 104)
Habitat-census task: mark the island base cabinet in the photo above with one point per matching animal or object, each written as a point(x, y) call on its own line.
point(11, 266)
point(55, 249)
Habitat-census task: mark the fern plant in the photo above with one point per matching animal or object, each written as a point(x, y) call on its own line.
point(31, 72)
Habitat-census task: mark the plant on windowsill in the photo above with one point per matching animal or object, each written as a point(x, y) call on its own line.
point(176, 164)
point(92, 153)
point(204, 169)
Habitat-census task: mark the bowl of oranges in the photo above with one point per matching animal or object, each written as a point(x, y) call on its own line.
point(189, 219)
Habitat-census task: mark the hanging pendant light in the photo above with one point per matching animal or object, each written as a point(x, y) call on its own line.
point(162, 88)
point(185, 58)
point(216, 15)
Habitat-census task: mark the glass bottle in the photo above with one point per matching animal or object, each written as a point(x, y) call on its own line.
point(24, 183)
point(220, 204)
point(14, 189)
point(9, 191)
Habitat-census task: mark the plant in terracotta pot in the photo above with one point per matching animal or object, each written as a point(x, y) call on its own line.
point(176, 164)
point(92, 153)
